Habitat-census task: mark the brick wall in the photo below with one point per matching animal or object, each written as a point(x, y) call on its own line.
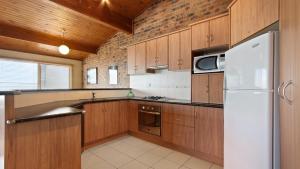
point(162, 17)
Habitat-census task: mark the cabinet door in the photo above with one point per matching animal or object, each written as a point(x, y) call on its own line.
point(111, 118)
point(178, 114)
point(289, 70)
point(200, 36)
point(133, 120)
point(93, 123)
point(123, 116)
point(131, 59)
point(185, 61)
point(179, 135)
point(219, 31)
point(200, 88)
point(216, 88)
point(174, 51)
point(209, 132)
point(151, 53)
point(140, 58)
point(163, 51)
point(250, 17)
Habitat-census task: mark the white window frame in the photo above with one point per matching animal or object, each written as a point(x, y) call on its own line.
point(39, 69)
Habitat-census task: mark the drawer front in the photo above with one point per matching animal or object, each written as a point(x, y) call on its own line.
point(179, 114)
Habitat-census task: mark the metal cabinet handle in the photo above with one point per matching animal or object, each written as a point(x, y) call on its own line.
point(290, 101)
point(279, 90)
point(10, 122)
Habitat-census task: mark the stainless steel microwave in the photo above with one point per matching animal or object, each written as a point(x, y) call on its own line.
point(209, 63)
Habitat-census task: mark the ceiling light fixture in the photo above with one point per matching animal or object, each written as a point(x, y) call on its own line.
point(63, 49)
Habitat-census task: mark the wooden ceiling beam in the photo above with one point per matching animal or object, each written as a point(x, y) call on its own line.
point(38, 37)
point(99, 11)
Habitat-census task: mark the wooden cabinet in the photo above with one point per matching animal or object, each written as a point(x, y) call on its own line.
point(111, 118)
point(209, 133)
point(45, 144)
point(136, 59)
point(131, 59)
point(211, 33)
point(216, 88)
point(289, 77)
point(200, 88)
point(103, 120)
point(180, 56)
point(207, 88)
point(178, 125)
point(157, 52)
point(250, 17)
point(133, 122)
point(93, 123)
point(124, 108)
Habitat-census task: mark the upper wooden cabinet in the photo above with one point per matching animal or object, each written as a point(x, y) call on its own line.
point(208, 88)
point(211, 33)
point(180, 56)
point(136, 59)
point(250, 17)
point(157, 52)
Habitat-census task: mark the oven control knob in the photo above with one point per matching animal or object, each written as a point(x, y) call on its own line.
point(143, 107)
point(152, 108)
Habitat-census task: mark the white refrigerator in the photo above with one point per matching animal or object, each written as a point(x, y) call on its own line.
point(251, 117)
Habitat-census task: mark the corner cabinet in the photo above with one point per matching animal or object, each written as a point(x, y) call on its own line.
point(180, 52)
point(136, 59)
point(211, 33)
point(249, 17)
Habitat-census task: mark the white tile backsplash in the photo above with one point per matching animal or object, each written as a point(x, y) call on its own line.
point(176, 85)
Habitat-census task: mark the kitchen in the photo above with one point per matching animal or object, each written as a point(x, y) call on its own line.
point(189, 84)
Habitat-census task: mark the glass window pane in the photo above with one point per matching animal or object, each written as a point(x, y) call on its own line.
point(55, 76)
point(18, 75)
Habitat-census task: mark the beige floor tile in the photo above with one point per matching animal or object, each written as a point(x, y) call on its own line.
point(101, 164)
point(113, 156)
point(131, 151)
point(178, 157)
point(134, 165)
point(149, 158)
point(165, 164)
point(183, 167)
point(88, 159)
point(195, 163)
point(216, 167)
point(161, 151)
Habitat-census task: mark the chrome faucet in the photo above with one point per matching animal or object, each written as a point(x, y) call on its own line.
point(93, 95)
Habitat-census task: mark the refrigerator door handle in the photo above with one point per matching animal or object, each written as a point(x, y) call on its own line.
point(279, 90)
point(290, 101)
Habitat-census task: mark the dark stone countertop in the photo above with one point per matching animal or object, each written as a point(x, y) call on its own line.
point(73, 107)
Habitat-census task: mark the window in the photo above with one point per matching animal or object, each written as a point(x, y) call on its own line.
point(20, 75)
point(55, 77)
point(92, 76)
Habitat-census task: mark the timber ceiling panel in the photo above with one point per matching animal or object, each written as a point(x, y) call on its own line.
point(87, 23)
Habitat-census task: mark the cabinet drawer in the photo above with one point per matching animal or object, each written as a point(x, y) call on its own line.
point(179, 114)
point(179, 135)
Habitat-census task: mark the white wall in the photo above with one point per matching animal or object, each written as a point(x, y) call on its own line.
point(76, 64)
point(176, 85)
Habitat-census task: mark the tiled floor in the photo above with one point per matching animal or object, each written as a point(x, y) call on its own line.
point(131, 153)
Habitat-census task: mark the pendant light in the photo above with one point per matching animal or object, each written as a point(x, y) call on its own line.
point(63, 49)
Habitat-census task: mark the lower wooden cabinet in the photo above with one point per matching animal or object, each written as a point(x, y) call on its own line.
point(178, 125)
point(103, 120)
point(133, 119)
point(209, 133)
point(45, 144)
point(93, 123)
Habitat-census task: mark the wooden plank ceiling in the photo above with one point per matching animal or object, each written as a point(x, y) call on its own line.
point(36, 26)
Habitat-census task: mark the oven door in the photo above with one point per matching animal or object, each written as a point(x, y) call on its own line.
point(206, 64)
point(150, 122)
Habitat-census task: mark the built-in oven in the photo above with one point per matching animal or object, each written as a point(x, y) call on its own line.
point(209, 63)
point(150, 118)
